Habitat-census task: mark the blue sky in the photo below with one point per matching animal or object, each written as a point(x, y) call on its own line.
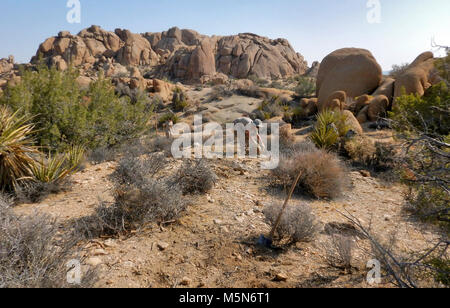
point(314, 27)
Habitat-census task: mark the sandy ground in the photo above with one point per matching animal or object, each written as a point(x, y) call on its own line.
point(213, 244)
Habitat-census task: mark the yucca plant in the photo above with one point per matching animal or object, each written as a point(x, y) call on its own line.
point(52, 169)
point(75, 156)
point(331, 125)
point(16, 148)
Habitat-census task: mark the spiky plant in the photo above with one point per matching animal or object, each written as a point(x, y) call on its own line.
point(16, 148)
point(75, 156)
point(330, 126)
point(52, 169)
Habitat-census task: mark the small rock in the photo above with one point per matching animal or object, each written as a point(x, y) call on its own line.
point(94, 261)
point(100, 252)
point(280, 277)
point(110, 243)
point(128, 264)
point(217, 221)
point(365, 173)
point(162, 245)
point(186, 281)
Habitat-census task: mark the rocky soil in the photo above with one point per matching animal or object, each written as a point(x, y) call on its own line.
point(213, 244)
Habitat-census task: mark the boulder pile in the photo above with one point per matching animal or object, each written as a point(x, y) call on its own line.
point(178, 54)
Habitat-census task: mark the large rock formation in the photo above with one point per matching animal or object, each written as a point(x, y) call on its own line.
point(180, 54)
point(354, 71)
point(418, 77)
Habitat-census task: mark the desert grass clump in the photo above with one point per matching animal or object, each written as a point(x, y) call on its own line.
point(330, 127)
point(298, 224)
point(195, 177)
point(16, 148)
point(322, 174)
point(34, 253)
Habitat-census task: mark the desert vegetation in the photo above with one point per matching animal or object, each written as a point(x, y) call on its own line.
point(86, 168)
point(34, 253)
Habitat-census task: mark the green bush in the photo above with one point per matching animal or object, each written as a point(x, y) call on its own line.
point(424, 123)
point(273, 107)
point(412, 113)
point(65, 114)
point(167, 117)
point(330, 127)
point(179, 100)
point(306, 87)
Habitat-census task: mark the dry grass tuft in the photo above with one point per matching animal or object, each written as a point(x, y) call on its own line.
point(323, 175)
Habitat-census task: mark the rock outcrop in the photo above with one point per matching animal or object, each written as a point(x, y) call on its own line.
point(418, 77)
point(180, 54)
point(6, 65)
point(354, 71)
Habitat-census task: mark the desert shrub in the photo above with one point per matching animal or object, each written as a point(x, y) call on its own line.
point(276, 84)
point(322, 174)
point(428, 114)
point(306, 87)
point(273, 107)
point(298, 224)
point(260, 82)
point(360, 149)
point(35, 191)
point(424, 124)
point(134, 208)
point(179, 100)
point(195, 177)
point(101, 155)
point(65, 114)
point(16, 148)
point(287, 139)
point(406, 269)
point(289, 150)
point(376, 155)
point(339, 252)
point(159, 143)
point(142, 196)
point(442, 269)
point(169, 116)
point(134, 170)
point(330, 128)
point(218, 92)
point(33, 251)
